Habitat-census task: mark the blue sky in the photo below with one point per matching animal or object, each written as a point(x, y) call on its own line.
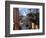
point(25, 11)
